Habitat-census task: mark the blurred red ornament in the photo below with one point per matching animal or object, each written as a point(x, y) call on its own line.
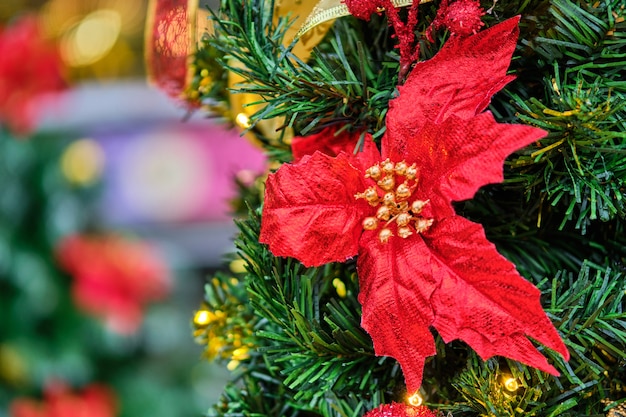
point(30, 66)
point(114, 278)
point(401, 410)
point(59, 401)
point(170, 36)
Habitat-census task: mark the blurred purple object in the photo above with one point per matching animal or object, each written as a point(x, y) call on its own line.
point(174, 174)
point(164, 178)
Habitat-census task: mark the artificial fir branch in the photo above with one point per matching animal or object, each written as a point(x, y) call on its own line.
point(583, 159)
point(286, 85)
point(311, 328)
point(589, 308)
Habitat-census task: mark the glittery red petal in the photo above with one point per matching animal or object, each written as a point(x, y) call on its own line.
point(310, 210)
point(331, 143)
point(483, 300)
point(459, 80)
point(396, 282)
point(457, 157)
point(452, 278)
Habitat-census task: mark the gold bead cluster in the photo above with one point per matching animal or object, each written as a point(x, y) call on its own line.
point(395, 183)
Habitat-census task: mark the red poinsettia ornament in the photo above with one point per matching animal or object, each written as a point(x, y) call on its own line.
point(420, 264)
point(114, 277)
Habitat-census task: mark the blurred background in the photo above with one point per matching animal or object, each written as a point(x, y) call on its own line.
point(110, 162)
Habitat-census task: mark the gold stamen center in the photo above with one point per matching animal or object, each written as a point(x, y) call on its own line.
point(397, 213)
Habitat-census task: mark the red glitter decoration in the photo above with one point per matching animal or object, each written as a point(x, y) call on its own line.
point(420, 265)
point(364, 9)
point(461, 18)
point(401, 410)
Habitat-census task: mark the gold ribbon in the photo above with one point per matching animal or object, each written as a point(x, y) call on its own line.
point(241, 103)
point(300, 10)
point(328, 10)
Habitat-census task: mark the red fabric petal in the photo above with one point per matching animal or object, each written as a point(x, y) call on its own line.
point(459, 80)
point(457, 157)
point(331, 143)
point(396, 283)
point(452, 278)
point(483, 300)
point(310, 212)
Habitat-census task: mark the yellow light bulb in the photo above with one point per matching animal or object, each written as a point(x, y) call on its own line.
point(202, 318)
point(242, 120)
point(511, 384)
point(232, 365)
point(83, 161)
point(241, 353)
point(415, 399)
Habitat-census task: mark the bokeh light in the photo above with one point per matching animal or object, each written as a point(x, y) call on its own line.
point(82, 162)
point(92, 38)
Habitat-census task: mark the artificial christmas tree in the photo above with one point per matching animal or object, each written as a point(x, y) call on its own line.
point(444, 220)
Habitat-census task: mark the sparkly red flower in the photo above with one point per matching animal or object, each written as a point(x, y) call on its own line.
point(419, 264)
point(113, 278)
point(59, 401)
point(30, 66)
point(401, 410)
point(461, 17)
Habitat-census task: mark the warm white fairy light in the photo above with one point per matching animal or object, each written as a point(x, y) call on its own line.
point(242, 120)
point(510, 384)
point(415, 399)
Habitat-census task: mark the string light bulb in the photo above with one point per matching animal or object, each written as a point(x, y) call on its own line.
point(415, 399)
point(510, 383)
point(202, 318)
point(242, 120)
